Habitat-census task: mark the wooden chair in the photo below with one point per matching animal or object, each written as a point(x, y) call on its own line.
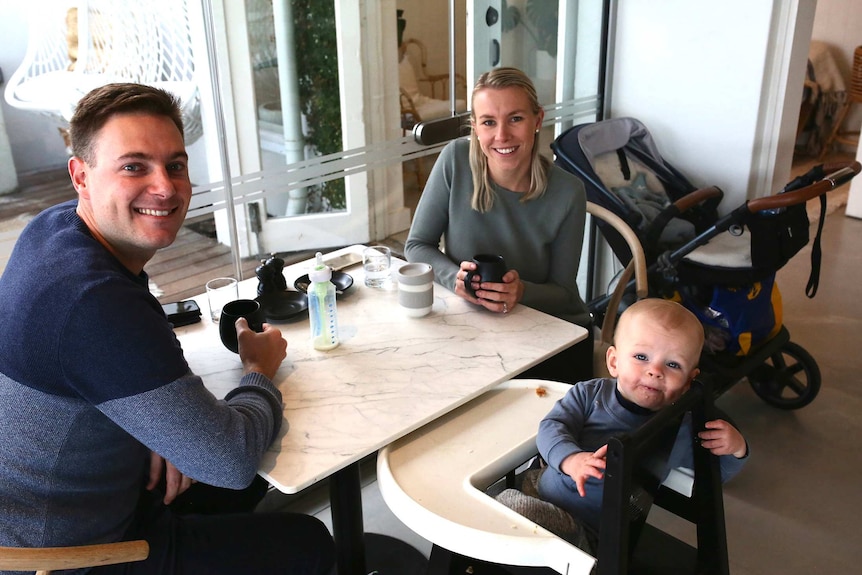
point(425, 93)
point(45, 560)
point(424, 96)
point(854, 96)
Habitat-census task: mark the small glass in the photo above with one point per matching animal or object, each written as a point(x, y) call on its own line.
point(219, 292)
point(377, 261)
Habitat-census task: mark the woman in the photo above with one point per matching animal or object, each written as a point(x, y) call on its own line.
point(495, 194)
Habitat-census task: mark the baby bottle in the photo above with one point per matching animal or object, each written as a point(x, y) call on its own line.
point(321, 307)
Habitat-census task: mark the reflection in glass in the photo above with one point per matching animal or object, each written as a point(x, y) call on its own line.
point(293, 49)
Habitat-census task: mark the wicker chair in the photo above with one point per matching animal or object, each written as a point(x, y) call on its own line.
point(854, 96)
point(75, 46)
point(44, 560)
point(424, 96)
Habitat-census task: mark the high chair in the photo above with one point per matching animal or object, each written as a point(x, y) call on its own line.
point(434, 480)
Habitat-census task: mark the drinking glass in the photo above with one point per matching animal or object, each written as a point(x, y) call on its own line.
point(377, 261)
point(219, 292)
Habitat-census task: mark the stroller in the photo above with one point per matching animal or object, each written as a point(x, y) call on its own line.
point(721, 268)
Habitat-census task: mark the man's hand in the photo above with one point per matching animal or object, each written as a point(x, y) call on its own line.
point(260, 352)
point(175, 481)
point(580, 466)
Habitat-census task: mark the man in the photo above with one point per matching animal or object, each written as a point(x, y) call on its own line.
point(98, 404)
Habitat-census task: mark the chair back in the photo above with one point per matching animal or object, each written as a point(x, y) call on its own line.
point(635, 469)
point(854, 90)
point(45, 560)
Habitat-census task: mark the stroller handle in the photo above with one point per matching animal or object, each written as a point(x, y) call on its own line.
point(688, 201)
point(839, 174)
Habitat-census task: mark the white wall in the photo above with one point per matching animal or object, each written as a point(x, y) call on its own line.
point(697, 73)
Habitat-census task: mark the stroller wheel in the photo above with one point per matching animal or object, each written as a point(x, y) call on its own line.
point(789, 379)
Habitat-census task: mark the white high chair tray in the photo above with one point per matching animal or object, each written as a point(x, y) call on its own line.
point(434, 479)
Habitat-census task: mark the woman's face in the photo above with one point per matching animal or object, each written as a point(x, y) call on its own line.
point(506, 128)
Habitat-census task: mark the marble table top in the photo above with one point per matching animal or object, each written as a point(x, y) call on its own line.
point(390, 375)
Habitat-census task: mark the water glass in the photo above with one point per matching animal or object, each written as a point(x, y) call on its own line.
point(376, 260)
point(219, 292)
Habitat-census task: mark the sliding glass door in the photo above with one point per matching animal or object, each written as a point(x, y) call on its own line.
point(309, 127)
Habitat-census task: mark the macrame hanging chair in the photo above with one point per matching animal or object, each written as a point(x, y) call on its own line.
point(75, 46)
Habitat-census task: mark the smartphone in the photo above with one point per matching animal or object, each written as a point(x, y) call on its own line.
point(182, 312)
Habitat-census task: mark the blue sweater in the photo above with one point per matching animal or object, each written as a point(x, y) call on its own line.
point(583, 420)
point(92, 378)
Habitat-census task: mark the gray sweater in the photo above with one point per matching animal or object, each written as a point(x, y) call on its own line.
point(541, 239)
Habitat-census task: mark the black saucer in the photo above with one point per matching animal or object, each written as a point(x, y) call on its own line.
point(283, 305)
point(341, 280)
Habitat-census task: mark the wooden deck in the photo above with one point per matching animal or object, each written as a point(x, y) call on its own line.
point(176, 272)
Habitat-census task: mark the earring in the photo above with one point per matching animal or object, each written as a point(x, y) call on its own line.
point(537, 131)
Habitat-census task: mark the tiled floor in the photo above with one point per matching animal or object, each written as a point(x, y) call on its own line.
point(795, 508)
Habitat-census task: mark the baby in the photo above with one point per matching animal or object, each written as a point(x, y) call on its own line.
point(654, 359)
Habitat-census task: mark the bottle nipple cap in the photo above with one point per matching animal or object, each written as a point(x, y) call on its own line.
point(321, 271)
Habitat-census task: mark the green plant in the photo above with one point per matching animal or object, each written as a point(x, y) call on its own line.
point(540, 22)
point(317, 66)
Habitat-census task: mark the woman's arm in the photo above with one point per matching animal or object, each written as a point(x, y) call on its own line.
point(431, 221)
point(559, 294)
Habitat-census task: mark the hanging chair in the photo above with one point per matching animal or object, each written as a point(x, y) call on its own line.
point(75, 46)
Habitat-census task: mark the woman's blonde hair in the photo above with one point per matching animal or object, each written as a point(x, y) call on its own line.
point(483, 193)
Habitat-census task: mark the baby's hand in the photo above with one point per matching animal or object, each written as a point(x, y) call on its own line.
point(721, 438)
point(580, 466)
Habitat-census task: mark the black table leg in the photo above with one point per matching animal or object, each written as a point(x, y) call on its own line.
point(345, 493)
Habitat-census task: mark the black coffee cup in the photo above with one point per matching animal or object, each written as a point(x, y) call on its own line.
point(489, 268)
point(232, 311)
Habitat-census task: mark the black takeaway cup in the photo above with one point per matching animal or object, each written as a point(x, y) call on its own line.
point(489, 268)
point(247, 308)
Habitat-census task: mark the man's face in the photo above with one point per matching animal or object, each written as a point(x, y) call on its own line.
point(135, 194)
point(653, 365)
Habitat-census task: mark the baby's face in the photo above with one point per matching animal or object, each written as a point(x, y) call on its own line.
point(653, 365)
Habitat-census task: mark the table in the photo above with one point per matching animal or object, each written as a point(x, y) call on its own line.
point(391, 375)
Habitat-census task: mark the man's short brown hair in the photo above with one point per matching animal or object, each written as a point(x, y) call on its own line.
point(101, 104)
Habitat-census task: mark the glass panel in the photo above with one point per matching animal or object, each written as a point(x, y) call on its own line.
point(363, 190)
point(312, 125)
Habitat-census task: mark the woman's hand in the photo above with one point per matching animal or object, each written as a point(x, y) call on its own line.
point(497, 297)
